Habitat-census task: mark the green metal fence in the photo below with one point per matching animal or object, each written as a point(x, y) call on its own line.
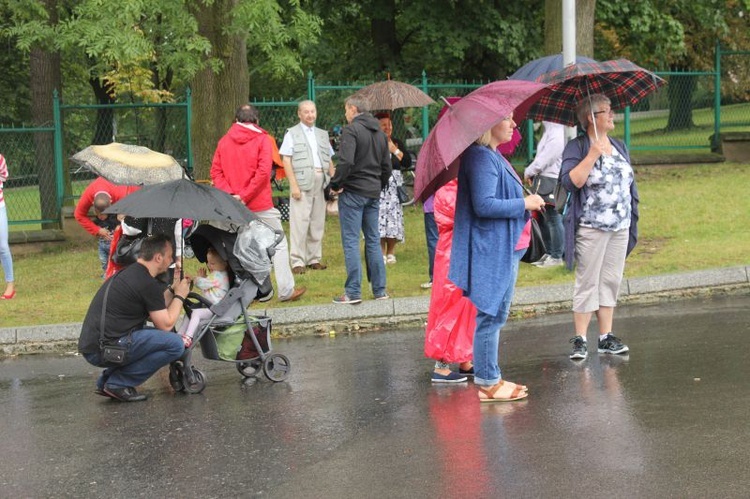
point(32, 195)
point(42, 177)
point(684, 117)
point(163, 127)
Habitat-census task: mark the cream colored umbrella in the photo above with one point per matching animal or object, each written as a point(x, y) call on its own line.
point(127, 164)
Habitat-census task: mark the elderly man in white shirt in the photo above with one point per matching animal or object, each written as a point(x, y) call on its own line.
point(543, 173)
point(306, 153)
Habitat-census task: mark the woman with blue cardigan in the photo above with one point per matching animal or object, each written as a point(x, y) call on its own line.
point(491, 234)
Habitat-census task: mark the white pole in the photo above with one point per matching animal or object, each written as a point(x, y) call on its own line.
point(569, 44)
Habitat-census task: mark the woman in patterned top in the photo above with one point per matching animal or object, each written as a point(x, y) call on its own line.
point(600, 221)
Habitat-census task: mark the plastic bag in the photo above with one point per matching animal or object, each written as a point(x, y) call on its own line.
point(449, 336)
point(254, 248)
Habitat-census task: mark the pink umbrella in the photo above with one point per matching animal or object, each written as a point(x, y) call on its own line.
point(464, 123)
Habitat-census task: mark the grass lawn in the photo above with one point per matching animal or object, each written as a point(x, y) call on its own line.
point(692, 218)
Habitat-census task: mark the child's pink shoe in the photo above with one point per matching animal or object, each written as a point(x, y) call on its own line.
point(187, 340)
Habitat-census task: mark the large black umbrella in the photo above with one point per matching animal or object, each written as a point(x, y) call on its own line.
point(183, 198)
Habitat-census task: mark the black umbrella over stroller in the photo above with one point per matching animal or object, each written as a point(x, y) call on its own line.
point(183, 198)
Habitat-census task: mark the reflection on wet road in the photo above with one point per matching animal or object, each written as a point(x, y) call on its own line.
point(358, 417)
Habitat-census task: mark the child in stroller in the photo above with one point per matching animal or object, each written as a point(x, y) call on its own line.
point(214, 286)
point(229, 332)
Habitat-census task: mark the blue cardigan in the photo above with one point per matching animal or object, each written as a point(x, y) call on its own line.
point(574, 152)
point(490, 216)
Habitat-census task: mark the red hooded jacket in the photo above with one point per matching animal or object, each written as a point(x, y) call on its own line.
point(242, 165)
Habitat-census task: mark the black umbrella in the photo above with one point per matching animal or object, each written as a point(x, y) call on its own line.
point(536, 68)
point(183, 198)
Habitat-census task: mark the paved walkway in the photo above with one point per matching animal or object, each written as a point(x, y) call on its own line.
point(412, 311)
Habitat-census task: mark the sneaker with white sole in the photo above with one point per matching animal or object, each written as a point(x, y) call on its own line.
point(612, 344)
point(451, 377)
point(579, 348)
point(541, 260)
point(426, 285)
point(344, 299)
point(551, 262)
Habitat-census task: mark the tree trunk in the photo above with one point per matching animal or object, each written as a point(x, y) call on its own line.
point(680, 94)
point(104, 127)
point(45, 75)
point(585, 10)
point(217, 95)
point(383, 33)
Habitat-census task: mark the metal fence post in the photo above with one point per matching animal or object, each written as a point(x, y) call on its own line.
point(57, 137)
point(425, 112)
point(310, 86)
point(717, 96)
point(626, 127)
point(529, 140)
point(188, 126)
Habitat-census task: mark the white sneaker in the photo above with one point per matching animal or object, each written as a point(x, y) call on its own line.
point(541, 260)
point(426, 285)
point(551, 262)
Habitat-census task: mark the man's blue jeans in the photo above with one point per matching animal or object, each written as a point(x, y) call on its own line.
point(487, 333)
point(104, 253)
point(149, 350)
point(360, 214)
point(553, 232)
point(431, 234)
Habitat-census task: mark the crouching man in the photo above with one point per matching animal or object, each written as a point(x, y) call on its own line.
point(117, 316)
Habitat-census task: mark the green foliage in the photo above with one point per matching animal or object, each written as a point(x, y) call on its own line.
point(448, 39)
point(671, 33)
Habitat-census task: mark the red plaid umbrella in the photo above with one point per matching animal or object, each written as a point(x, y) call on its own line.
point(463, 123)
point(622, 81)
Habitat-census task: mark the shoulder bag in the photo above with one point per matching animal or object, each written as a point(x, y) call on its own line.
point(536, 249)
point(116, 354)
point(545, 187)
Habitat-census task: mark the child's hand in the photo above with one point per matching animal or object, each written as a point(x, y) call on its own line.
point(202, 272)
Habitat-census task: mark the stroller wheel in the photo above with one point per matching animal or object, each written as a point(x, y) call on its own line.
point(249, 369)
point(199, 382)
point(276, 367)
point(175, 377)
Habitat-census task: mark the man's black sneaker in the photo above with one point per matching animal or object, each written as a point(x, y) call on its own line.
point(612, 344)
point(579, 348)
point(126, 394)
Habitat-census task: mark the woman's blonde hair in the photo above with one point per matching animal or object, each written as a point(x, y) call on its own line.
point(485, 138)
point(586, 104)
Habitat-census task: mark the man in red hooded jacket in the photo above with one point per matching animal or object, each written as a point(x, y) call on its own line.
point(242, 167)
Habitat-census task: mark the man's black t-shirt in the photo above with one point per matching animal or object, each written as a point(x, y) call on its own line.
point(133, 294)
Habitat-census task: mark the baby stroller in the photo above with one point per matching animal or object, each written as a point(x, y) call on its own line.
point(231, 334)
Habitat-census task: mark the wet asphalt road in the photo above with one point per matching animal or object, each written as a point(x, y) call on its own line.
point(358, 417)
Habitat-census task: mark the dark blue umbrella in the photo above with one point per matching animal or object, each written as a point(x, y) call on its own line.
point(534, 69)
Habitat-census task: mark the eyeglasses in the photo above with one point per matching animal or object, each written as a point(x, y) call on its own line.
point(608, 111)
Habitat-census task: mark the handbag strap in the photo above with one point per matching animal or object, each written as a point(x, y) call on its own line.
point(104, 310)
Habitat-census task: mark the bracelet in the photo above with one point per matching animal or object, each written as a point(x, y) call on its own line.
point(396, 152)
point(178, 297)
